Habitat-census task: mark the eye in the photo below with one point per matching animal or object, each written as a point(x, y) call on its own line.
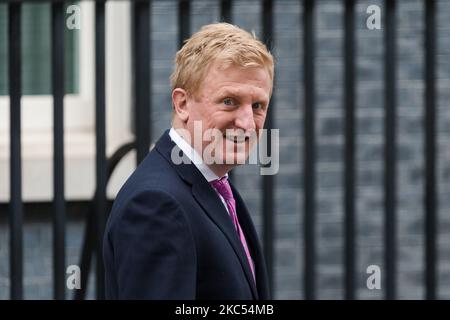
point(228, 102)
point(257, 105)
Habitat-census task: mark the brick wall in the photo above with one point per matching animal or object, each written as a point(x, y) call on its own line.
point(288, 115)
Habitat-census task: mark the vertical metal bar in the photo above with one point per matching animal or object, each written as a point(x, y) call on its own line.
point(309, 151)
point(430, 150)
point(268, 180)
point(390, 152)
point(16, 205)
point(225, 11)
point(100, 141)
point(87, 251)
point(184, 21)
point(89, 235)
point(142, 82)
point(59, 214)
point(225, 16)
point(349, 178)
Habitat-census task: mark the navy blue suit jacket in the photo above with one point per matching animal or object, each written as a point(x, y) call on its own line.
point(169, 236)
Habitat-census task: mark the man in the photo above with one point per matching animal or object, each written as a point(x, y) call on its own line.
point(179, 229)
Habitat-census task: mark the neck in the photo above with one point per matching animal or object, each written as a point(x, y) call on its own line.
point(218, 169)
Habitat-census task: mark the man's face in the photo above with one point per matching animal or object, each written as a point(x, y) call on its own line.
point(234, 101)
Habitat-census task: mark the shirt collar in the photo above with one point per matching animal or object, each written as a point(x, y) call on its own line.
point(193, 155)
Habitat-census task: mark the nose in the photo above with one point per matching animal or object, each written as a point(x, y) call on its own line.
point(244, 118)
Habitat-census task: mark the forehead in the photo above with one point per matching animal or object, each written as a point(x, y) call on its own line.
point(237, 80)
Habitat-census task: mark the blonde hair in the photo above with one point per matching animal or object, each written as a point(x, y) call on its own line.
point(222, 42)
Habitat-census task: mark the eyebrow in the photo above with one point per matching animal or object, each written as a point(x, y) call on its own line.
point(237, 93)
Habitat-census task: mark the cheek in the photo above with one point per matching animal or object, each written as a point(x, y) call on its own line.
point(199, 112)
point(259, 121)
point(220, 119)
point(192, 109)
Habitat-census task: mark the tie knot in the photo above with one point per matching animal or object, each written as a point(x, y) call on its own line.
point(223, 188)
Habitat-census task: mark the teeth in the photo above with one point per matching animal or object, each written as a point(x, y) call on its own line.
point(235, 139)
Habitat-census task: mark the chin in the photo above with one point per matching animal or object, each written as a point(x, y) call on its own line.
point(237, 159)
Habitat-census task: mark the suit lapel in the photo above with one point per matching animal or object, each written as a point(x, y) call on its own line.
point(214, 208)
point(208, 199)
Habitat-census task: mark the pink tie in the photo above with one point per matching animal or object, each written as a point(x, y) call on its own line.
point(223, 188)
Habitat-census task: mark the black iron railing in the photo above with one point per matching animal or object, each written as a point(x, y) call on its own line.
point(141, 45)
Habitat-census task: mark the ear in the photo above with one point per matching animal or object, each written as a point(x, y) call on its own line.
point(180, 105)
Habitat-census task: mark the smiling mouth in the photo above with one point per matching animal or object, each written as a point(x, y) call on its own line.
point(236, 139)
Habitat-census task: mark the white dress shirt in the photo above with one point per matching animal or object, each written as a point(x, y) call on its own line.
point(196, 159)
